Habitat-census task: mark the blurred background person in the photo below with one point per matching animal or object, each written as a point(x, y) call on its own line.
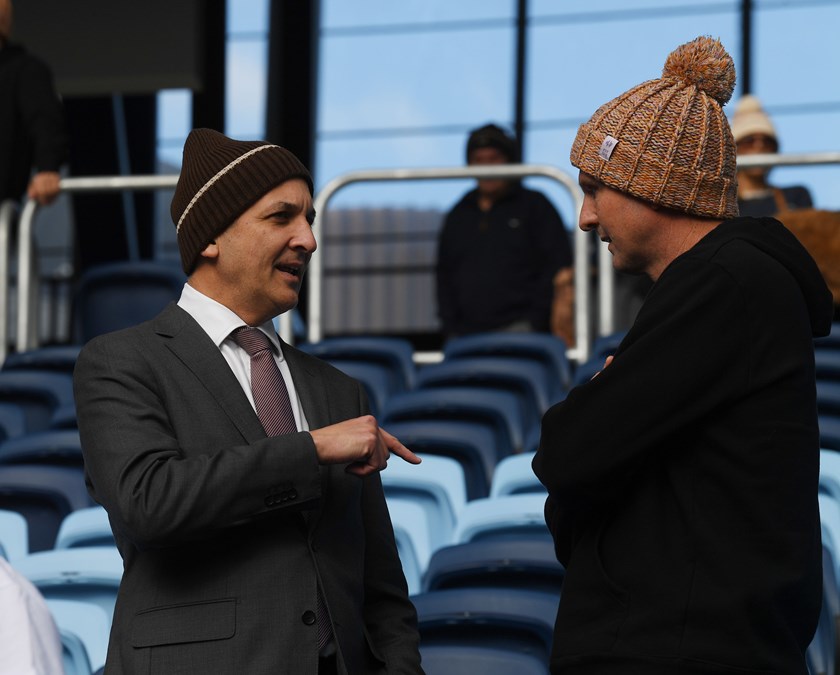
point(33, 142)
point(754, 133)
point(503, 253)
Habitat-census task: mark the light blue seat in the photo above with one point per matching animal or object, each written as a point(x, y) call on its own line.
point(84, 628)
point(514, 475)
point(830, 474)
point(503, 517)
point(472, 444)
point(85, 527)
point(548, 350)
point(14, 536)
point(413, 538)
point(499, 410)
point(83, 574)
point(437, 485)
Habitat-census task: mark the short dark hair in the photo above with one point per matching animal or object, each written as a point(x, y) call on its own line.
point(493, 136)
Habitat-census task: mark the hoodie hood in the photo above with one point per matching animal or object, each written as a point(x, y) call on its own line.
point(771, 237)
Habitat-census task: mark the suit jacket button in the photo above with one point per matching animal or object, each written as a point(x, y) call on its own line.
point(308, 617)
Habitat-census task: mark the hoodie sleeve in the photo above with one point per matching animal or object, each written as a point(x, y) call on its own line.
point(685, 356)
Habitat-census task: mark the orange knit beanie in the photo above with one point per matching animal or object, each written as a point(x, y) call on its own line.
point(667, 141)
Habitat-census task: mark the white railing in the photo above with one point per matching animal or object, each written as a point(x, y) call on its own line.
point(26, 323)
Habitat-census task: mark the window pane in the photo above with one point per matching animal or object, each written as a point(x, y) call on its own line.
point(245, 100)
point(415, 80)
point(247, 16)
point(342, 14)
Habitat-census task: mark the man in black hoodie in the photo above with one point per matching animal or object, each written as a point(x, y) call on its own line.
point(33, 144)
point(683, 478)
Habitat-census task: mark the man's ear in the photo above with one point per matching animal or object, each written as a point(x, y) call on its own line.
point(211, 250)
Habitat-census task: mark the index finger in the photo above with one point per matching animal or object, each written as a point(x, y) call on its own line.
point(395, 447)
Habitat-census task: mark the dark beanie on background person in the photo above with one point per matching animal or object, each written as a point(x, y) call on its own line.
point(492, 136)
point(220, 179)
point(667, 141)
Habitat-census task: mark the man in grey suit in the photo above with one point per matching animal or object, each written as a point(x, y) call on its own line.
point(244, 552)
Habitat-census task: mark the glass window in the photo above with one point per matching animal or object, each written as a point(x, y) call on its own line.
point(337, 14)
point(245, 93)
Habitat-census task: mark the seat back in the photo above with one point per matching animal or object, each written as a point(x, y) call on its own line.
point(396, 354)
point(413, 539)
point(454, 659)
point(14, 536)
point(122, 294)
point(527, 379)
point(82, 574)
point(375, 378)
point(471, 444)
point(503, 518)
point(85, 528)
point(43, 495)
point(524, 563)
point(58, 358)
point(514, 475)
point(541, 347)
point(56, 447)
point(39, 395)
point(499, 410)
point(84, 627)
point(437, 485)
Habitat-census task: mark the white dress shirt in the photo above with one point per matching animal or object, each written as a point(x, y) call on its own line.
point(218, 322)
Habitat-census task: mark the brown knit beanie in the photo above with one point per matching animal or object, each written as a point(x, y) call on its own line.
point(220, 178)
point(667, 141)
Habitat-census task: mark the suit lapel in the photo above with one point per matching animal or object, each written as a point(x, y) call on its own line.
point(188, 341)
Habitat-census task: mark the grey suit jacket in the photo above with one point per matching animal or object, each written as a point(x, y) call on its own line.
point(225, 534)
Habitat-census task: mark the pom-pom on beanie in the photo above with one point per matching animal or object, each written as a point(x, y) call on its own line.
point(220, 179)
point(749, 118)
point(667, 141)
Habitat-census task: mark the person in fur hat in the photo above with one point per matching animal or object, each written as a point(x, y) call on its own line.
point(682, 479)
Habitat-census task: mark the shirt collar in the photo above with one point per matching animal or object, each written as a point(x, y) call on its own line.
point(217, 320)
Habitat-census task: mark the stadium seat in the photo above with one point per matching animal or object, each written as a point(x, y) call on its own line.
point(528, 380)
point(14, 536)
point(827, 363)
point(514, 475)
point(449, 659)
point(376, 379)
point(828, 397)
point(122, 294)
point(43, 495)
point(12, 420)
point(532, 439)
point(43, 397)
point(546, 349)
point(85, 528)
point(821, 655)
point(413, 538)
point(503, 518)
point(830, 432)
point(472, 444)
point(524, 563)
point(57, 447)
point(506, 618)
point(395, 353)
point(82, 574)
point(59, 358)
point(437, 485)
point(499, 410)
point(84, 628)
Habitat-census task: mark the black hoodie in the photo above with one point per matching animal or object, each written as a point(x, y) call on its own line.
point(683, 479)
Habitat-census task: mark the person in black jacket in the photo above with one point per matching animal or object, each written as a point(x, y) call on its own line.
point(33, 142)
point(502, 252)
point(683, 477)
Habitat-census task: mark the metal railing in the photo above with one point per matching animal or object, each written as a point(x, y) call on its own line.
point(314, 322)
point(26, 324)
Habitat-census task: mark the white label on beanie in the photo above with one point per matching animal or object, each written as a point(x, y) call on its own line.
point(607, 147)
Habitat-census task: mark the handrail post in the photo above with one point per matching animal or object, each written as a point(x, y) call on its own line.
point(8, 210)
point(504, 171)
point(27, 319)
